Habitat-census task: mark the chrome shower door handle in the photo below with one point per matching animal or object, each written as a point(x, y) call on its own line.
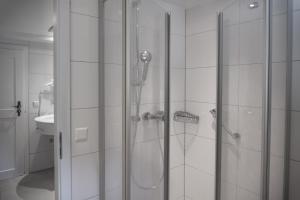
point(18, 108)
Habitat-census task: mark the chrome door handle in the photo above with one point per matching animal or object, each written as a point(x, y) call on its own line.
point(19, 108)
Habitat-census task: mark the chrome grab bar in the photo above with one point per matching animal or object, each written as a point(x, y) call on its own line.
point(234, 135)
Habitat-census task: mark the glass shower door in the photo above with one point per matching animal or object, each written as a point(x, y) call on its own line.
point(147, 131)
point(241, 101)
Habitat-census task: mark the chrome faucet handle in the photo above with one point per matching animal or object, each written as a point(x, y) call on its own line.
point(159, 115)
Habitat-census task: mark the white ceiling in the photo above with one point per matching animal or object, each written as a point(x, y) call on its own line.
point(26, 18)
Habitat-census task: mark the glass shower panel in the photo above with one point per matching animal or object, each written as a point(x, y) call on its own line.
point(279, 98)
point(243, 78)
point(147, 65)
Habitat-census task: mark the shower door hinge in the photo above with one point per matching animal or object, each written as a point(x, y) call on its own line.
point(60, 145)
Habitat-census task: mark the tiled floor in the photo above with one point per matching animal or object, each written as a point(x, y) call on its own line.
point(35, 186)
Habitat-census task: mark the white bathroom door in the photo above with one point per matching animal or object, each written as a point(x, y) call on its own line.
point(13, 124)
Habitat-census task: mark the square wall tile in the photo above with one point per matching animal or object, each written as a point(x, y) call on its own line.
point(113, 10)
point(177, 182)
point(176, 150)
point(177, 84)
point(85, 176)
point(294, 180)
point(198, 184)
point(278, 132)
point(295, 136)
point(230, 157)
point(201, 85)
point(296, 86)
point(296, 4)
point(206, 126)
point(251, 81)
point(279, 71)
point(252, 42)
point(86, 7)
point(201, 50)
point(296, 35)
point(87, 119)
point(200, 153)
point(228, 191)
point(276, 188)
point(250, 127)
point(279, 38)
point(113, 172)
point(84, 38)
point(177, 51)
point(112, 42)
point(113, 126)
point(231, 45)
point(113, 85)
point(230, 85)
point(203, 18)
point(249, 171)
point(84, 85)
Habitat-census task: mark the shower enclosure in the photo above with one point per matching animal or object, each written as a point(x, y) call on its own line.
point(147, 96)
point(244, 151)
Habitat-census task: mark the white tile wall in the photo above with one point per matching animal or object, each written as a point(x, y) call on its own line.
point(84, 85)
point(84, 37)
point(295, 119)
point(85, 118)
point(85, 176)
point(296, 36)
point(201, 49)
point(201, 85)
point(200, 154)
point(199, 184)
point(295, 85)
point(295, 136)
point(85, 98)
point(294, 180)
point(252, 45)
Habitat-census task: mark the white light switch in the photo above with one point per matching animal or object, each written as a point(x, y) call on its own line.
point(81, 134)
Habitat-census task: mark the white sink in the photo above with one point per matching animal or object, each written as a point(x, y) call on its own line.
point(45, 124)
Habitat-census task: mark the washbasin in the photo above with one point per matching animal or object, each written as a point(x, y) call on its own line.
point(45, 124)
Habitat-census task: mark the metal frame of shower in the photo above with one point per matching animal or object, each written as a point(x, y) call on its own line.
point(266, 139)
point(126, 161)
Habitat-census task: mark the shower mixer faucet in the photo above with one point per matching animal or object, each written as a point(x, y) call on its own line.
point(159, 115)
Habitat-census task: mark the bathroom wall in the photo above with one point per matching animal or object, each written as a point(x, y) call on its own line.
point(40, 73)
point(295, 106)
point(113, 85)
point(84, 34)
point(242, 100)
point(201, 61)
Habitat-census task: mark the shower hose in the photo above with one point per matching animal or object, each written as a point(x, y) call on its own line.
point(138, 94)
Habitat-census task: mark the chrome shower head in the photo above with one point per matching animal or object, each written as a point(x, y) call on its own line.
point(145, 56)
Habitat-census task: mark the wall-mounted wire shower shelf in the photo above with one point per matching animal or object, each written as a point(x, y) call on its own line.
point(186, 117)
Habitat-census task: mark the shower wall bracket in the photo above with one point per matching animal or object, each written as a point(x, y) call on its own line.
point(186, 117)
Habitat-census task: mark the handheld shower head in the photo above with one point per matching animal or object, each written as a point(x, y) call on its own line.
point(145, 57)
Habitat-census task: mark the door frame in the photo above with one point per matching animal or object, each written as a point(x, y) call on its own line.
point(25, 96)
point(62, 98)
